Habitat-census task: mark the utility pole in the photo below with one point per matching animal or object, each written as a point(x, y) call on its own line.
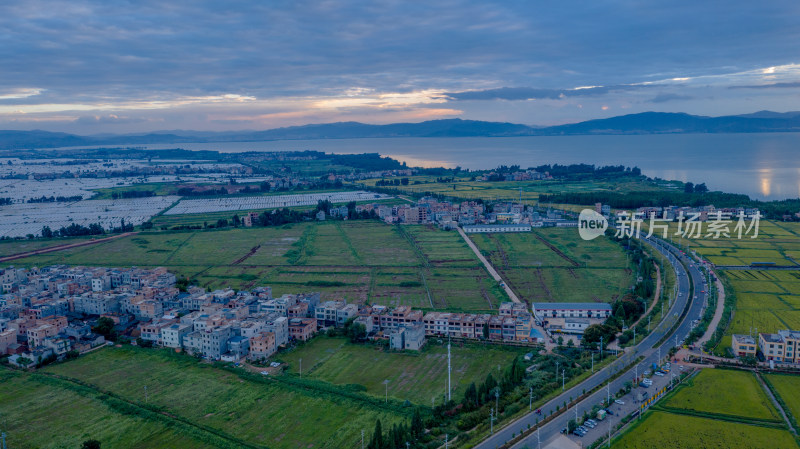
point(556, 371)
point(648, 323)
point(448, 367)
point(593, 363)
point(362, 438)
point(445, 441)
point(3, 440)
point(530, 404)
point(491, 421)
point(563, 377)
point(608, 393)
point(538, 441)
point(497, 399)
point(601, 347)
point(634, 335)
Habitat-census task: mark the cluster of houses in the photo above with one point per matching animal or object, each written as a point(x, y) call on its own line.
point(470, 215)
point(48, 312)
point(781, 347)
point(702, 213)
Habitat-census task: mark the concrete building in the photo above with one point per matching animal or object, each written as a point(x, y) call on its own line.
point(771, 346)
point(489, 228)
point(743, 345)
point(302, 329)
point(215, 341)
point(262, 346)
point(172, 336)
point(410, 337)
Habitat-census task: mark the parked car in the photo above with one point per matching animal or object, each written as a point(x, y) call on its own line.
point(619, 401)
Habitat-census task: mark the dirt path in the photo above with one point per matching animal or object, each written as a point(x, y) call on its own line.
point(489, 266)
point(712, 326)
point(63, 247)
point(557, 251)
point(776, 404)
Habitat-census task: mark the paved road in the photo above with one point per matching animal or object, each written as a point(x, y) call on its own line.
point(647, 349)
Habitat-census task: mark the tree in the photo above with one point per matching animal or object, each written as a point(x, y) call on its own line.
point(105, 327)
point(356, 332)
point(24, 362)
point(377, 437)
point(700, 188)
point(90, 444)
point(417, 427)
point(572, 425)
point(688, 187)
point(47, 232)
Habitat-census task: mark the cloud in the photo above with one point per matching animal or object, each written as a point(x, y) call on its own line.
point(787, 85)
point(530, 93)
point(663, 98)
point(20, 93)
point(108, 119)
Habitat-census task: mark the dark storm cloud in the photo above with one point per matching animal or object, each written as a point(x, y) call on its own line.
point(791, 85)
point(529, 93)
point(663, 98)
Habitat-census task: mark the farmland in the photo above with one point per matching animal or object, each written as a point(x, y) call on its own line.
point(555, 264)
point(659, 430)
point(414, 377)
point(724, 392)
point(38, 413)
point(360, 261)
point(766, 300)
point(529, 191)
point(787, 388)
point(717, 408)
point(259, 411)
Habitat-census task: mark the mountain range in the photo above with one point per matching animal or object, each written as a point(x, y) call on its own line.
point(642, 123)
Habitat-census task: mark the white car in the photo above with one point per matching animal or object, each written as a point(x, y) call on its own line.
point(619, 401)
point(264, 373)
point(659, 373)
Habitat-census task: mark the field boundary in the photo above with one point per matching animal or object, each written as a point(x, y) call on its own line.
point(63, 247)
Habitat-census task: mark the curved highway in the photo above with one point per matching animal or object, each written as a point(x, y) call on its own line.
point(648, 349)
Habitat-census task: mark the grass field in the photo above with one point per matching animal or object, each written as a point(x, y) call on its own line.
point(268, 413)
point(464, 187)
point(359, 261)
point(724, 392)
point(414, 377)
point(788, 388)
point(660, 430)
point(718, 408)
point(555, 264)
point(37, 414)
point(10, 247)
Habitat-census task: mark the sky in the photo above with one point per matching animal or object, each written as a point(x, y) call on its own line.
point(93, 67)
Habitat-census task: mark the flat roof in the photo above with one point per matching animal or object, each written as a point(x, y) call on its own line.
point(572, 306)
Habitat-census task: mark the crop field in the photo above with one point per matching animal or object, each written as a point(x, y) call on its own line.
point(556, 265)
point(415, 377)
point(40, 414)
point(716, 408)
point(766, 301)
point(359, 261)
point(464, 187)
point(261, 411)
point(724, 392)
point(660, 430)
point(776, 242)
point(788, 388)
point(9, 247)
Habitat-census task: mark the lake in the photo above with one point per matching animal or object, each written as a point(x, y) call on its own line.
point(765, 165)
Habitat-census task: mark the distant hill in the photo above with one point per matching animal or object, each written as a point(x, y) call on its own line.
point(642, 123)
